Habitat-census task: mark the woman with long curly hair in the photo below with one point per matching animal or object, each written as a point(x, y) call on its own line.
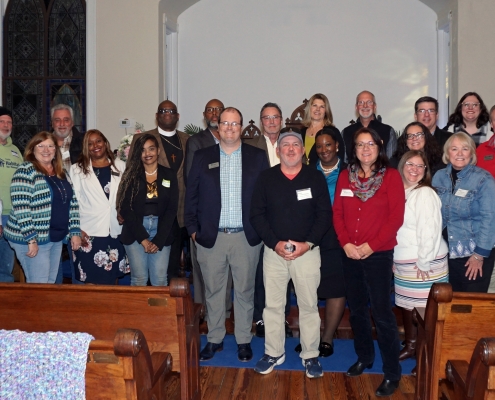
point(417, 136)
point(147, 200)
point(96, 177)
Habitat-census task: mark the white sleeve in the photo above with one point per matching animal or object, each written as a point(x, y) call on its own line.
point(428, 216)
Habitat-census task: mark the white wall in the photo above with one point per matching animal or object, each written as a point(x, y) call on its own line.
point(249, 52)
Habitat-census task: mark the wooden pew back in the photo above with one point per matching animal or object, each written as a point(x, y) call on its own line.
point(165, 315)
point(452, 325)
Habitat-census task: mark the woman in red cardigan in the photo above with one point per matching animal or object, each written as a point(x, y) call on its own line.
point(368, 211)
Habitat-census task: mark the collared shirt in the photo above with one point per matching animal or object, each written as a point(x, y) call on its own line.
point(166, 133)
point(214, 137)
point(231, 189)
point(64, 150)
point(272, 151)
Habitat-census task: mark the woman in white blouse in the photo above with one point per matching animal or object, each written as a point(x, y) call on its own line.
point(420, 257)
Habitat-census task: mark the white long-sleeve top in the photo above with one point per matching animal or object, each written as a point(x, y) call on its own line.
point(97, 213)
point(420, 236)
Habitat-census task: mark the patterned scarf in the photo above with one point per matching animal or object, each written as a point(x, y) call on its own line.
point(367, 189)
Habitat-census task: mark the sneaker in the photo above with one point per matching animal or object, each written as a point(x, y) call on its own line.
point(313, 367)
point(266, 363)
point(260, 328)
point(288, 331)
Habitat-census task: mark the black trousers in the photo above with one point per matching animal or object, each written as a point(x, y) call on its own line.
point(459, 280)
point(180, 237)
point(368, 281)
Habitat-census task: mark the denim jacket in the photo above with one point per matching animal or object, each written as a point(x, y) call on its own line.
point(468, 211)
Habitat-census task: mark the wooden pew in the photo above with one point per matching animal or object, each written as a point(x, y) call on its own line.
point(166, 316)
point(476, 380)
point(449, 329)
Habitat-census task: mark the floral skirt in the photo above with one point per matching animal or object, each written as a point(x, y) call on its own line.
point(101, 262)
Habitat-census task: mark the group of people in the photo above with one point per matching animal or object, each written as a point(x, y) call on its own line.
point(337, 215)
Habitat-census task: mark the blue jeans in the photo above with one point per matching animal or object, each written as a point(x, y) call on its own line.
point(366, 281)
point(6, 256)
point(144, 265)
point(43, 267)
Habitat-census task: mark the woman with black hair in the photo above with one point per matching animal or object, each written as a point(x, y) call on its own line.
point(416, 136)
point(147, 200)
point(471, 116)
point(368, 211)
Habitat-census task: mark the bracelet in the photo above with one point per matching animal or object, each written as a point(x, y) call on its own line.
point(477, 258)
point(32, 241)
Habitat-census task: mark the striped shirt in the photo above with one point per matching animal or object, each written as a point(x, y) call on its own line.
point(231, 189)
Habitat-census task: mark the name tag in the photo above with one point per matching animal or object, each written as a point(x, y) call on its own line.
point(115, 173)
point(165, 183)
point(461, 192)
point(65, 155)
point(304, 194)
point(488, 157)
point(213, 165)
point(346, 193)
point(14, 153)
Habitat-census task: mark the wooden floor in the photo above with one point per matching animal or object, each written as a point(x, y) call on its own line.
point(233, 383)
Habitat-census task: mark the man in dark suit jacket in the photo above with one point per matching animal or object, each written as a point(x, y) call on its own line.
point(426, 112)
point(208, 137)
point(218, 200)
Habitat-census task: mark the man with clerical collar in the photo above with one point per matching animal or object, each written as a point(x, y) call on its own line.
point(366, 109)
point(271, 125)
point(218, 199)
point(69, 139)
point(426, 112)
point(10, 159)
point(206, 138)
point(172, 144)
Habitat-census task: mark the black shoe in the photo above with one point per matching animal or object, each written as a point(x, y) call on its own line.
point(387, 388)
point(209, 351)
point(326, 349)
point(244, 352)
point(298, 348)
point(260, 328)
point(357, 368)
point(288, 331)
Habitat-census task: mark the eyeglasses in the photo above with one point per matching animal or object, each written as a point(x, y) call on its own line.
point(471, 105)
point(368, 103)
point(413, 136)
point(423, 111)
point(166, 111)
point(271, 117)
point(362, 145)
point(45, 146)
point(234, 124)
point(211, 109)
point(412, 165)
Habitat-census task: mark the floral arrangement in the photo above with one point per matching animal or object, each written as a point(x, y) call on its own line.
point(125, 142)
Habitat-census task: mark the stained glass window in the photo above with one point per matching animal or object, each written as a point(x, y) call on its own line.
point(45, 63)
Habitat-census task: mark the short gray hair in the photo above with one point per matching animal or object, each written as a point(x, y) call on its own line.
point(465, 139)
point(62, 106)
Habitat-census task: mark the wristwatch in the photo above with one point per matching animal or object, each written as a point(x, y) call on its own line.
point(311, 245)
point(32, 241)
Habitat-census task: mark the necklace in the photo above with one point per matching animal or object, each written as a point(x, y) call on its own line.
point(151, 173)
point(329, 170)
point(169, 142)
point(64, 195)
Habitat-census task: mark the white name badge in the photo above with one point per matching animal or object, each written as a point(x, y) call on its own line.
point(165, 183)
point(461, 192)
point(65, 155)
point(346, 193)
point(213, 165)
point(304, 194)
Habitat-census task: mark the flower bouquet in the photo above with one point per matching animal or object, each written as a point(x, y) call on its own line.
point(125, 142)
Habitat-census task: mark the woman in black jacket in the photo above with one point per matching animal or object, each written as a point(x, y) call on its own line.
point(147, 200)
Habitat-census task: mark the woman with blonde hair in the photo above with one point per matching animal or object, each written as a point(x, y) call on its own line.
point(38, 187)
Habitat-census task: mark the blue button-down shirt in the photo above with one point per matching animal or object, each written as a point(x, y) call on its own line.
point(231, 189)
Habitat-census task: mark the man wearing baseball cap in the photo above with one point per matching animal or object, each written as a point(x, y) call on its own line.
point(10, 159)
point(291, 211)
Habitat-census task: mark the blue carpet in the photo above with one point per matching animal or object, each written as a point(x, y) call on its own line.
point(343, 357)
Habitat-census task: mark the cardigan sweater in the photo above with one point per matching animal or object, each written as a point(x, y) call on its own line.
point(32, 208)
point(278, 215)
point(375, 221)
point(420, 236)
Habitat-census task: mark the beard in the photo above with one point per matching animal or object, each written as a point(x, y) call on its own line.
point(4, 136)
point(211, 124)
